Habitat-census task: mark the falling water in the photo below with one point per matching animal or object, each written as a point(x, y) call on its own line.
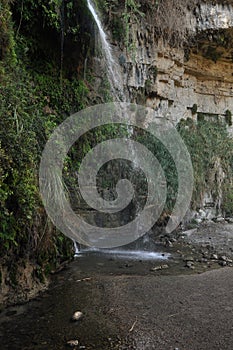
point(76, 248)
point(115, 79)
point(113, 69)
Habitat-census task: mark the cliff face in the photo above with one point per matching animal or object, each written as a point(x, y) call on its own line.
point(174, 79)
point(190, 79)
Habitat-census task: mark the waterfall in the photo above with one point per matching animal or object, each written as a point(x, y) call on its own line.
point(115, 77)
point(76, 249)
point(113, 68)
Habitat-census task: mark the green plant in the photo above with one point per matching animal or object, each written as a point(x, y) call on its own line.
point(117, 29)
point(200, 117)
point(148, 86)
point(7, 44)
point(228, 117)
point(194, 109)
point(207, 143)
point(166, 162)
point(131, 10)
point(228, 200)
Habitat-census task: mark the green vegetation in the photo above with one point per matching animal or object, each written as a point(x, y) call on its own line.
point(167, 164)
point(211, 151)
point(45, 76)
point(228, 200)
point(34, 98)
point(131, 12)
point(209, 145)
point(228, 117)
point(194, 109)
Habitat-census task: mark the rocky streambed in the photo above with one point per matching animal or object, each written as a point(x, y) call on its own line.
point(182, 300)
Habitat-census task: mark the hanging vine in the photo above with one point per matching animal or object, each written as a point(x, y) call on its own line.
point(131, 11)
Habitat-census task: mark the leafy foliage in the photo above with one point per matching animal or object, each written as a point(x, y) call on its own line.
point(207, 143)
point(33, 101)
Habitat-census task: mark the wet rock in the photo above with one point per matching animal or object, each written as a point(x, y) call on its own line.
point(72, 343)
point(225, 258)
point(128, 265)
point(214, 256)
point(156, 268)
point(188, 233)
point(160, 267)
point(223, 263)
point(190, 265)
point(77, 316)
point(209, 221)
point(165, 266)
point(168, 243)
point(189, 258)
point(205, 255)
point(220, 219)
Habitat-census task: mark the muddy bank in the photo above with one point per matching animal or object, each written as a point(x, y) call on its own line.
point(133, 303)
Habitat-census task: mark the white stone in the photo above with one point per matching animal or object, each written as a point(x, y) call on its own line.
point(73, 343)
point(77, 316)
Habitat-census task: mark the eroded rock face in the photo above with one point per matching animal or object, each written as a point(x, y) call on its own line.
point(214, 16)
point(21, 284)
point(172, 80)
point(175, 80)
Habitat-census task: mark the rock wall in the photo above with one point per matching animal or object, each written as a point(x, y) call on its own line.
point(185, 82)
point(173, 80)
point(213, 16)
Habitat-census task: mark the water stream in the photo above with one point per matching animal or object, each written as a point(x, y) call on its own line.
point(121, 254)
point(112, 66)
point(140, 250)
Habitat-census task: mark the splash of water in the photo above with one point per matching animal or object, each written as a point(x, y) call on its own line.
point(76, 249)
point(113, 69)
point(125, 254)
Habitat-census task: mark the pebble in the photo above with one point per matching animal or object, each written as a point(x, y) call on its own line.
point(225, 258)
point(161, 267)
point(188, 233)
point(189, 264)
point(128, 265)
point(205, 255)
point(214, 256)
point(168, 244)
point(189, 258)
point(73, 343)
point(165, 266)
point(77, 316)
point(220, 219)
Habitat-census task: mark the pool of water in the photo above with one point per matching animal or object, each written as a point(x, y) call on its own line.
point(123, 254)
